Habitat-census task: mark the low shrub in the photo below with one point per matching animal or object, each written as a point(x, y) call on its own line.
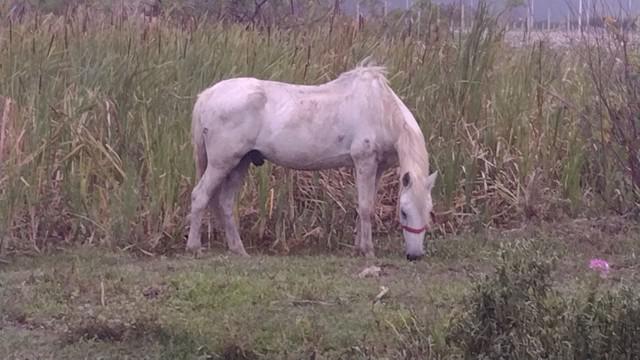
point(606, 324)
point(517, 313)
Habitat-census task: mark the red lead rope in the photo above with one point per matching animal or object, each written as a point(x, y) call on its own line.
point(415, 231)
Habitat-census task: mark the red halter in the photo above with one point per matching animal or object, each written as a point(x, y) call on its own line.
point(415, 231)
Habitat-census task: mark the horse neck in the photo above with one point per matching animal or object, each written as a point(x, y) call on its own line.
point(410, 144)
point(412, 154)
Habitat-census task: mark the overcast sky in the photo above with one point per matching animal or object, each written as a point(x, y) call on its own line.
point(557, 8)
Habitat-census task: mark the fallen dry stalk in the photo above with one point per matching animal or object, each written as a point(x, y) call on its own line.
point(102, 295)
point(370, 271)
point(383, 292)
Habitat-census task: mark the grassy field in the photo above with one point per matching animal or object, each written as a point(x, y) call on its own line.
point(536, 147)
point(92, 303)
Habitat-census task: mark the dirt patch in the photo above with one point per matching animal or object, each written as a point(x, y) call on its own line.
point(597, 236)
point(100, 331)
point(235, 352)
point(113, 330)
point(151, 292)
point(16, 316)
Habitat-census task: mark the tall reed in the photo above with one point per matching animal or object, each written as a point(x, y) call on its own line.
point(104, 112)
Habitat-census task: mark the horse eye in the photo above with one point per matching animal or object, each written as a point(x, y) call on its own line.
point(403, 214)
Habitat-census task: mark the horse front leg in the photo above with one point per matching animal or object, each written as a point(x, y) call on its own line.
point(366, 179)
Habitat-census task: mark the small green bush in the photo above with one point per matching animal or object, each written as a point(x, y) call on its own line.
point(607, 324)
point(509, 314)
point(517, 313)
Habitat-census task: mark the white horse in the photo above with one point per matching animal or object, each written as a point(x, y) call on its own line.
point(353, 121)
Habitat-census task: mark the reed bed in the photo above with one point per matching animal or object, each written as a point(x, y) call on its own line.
point(97, 141)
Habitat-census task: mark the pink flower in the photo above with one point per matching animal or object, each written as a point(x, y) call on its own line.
point(599, 265)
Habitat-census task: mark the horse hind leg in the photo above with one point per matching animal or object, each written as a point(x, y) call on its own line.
point(201, 162)
point(200, 156)
point(225, 199)
point(214, 217)
point(221, 206)
point(200, 197)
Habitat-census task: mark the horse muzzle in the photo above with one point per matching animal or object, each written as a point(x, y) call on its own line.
point(413, 257)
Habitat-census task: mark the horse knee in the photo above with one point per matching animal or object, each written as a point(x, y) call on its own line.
point(200, 198)
point(206, 187)
point(365, 213)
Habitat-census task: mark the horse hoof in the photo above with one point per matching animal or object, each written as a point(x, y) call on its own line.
point(196, 249)
point(367, 253)
point(241, 253)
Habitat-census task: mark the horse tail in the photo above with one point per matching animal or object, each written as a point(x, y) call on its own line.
point(199, 147)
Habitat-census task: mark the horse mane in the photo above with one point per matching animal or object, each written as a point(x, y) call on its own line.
point(411, 146)
point(366, 68)
point(412, 151)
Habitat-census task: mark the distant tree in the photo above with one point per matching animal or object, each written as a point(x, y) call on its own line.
point(17, 10)
point(374, 8)
point(515, 3)
point(274, 11)
point(150, 8)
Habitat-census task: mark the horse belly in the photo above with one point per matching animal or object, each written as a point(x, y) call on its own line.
point(306, 133)
point(307, 153)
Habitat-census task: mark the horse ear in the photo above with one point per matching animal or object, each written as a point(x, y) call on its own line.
point(432, 180)
point(406, 180)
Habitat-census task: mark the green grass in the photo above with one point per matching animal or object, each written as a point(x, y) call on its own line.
point(274, 306)
point(112, 304)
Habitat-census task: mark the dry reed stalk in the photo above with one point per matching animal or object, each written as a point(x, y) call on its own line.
point(6, 126)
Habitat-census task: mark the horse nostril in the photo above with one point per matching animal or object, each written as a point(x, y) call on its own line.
point(411, 257)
